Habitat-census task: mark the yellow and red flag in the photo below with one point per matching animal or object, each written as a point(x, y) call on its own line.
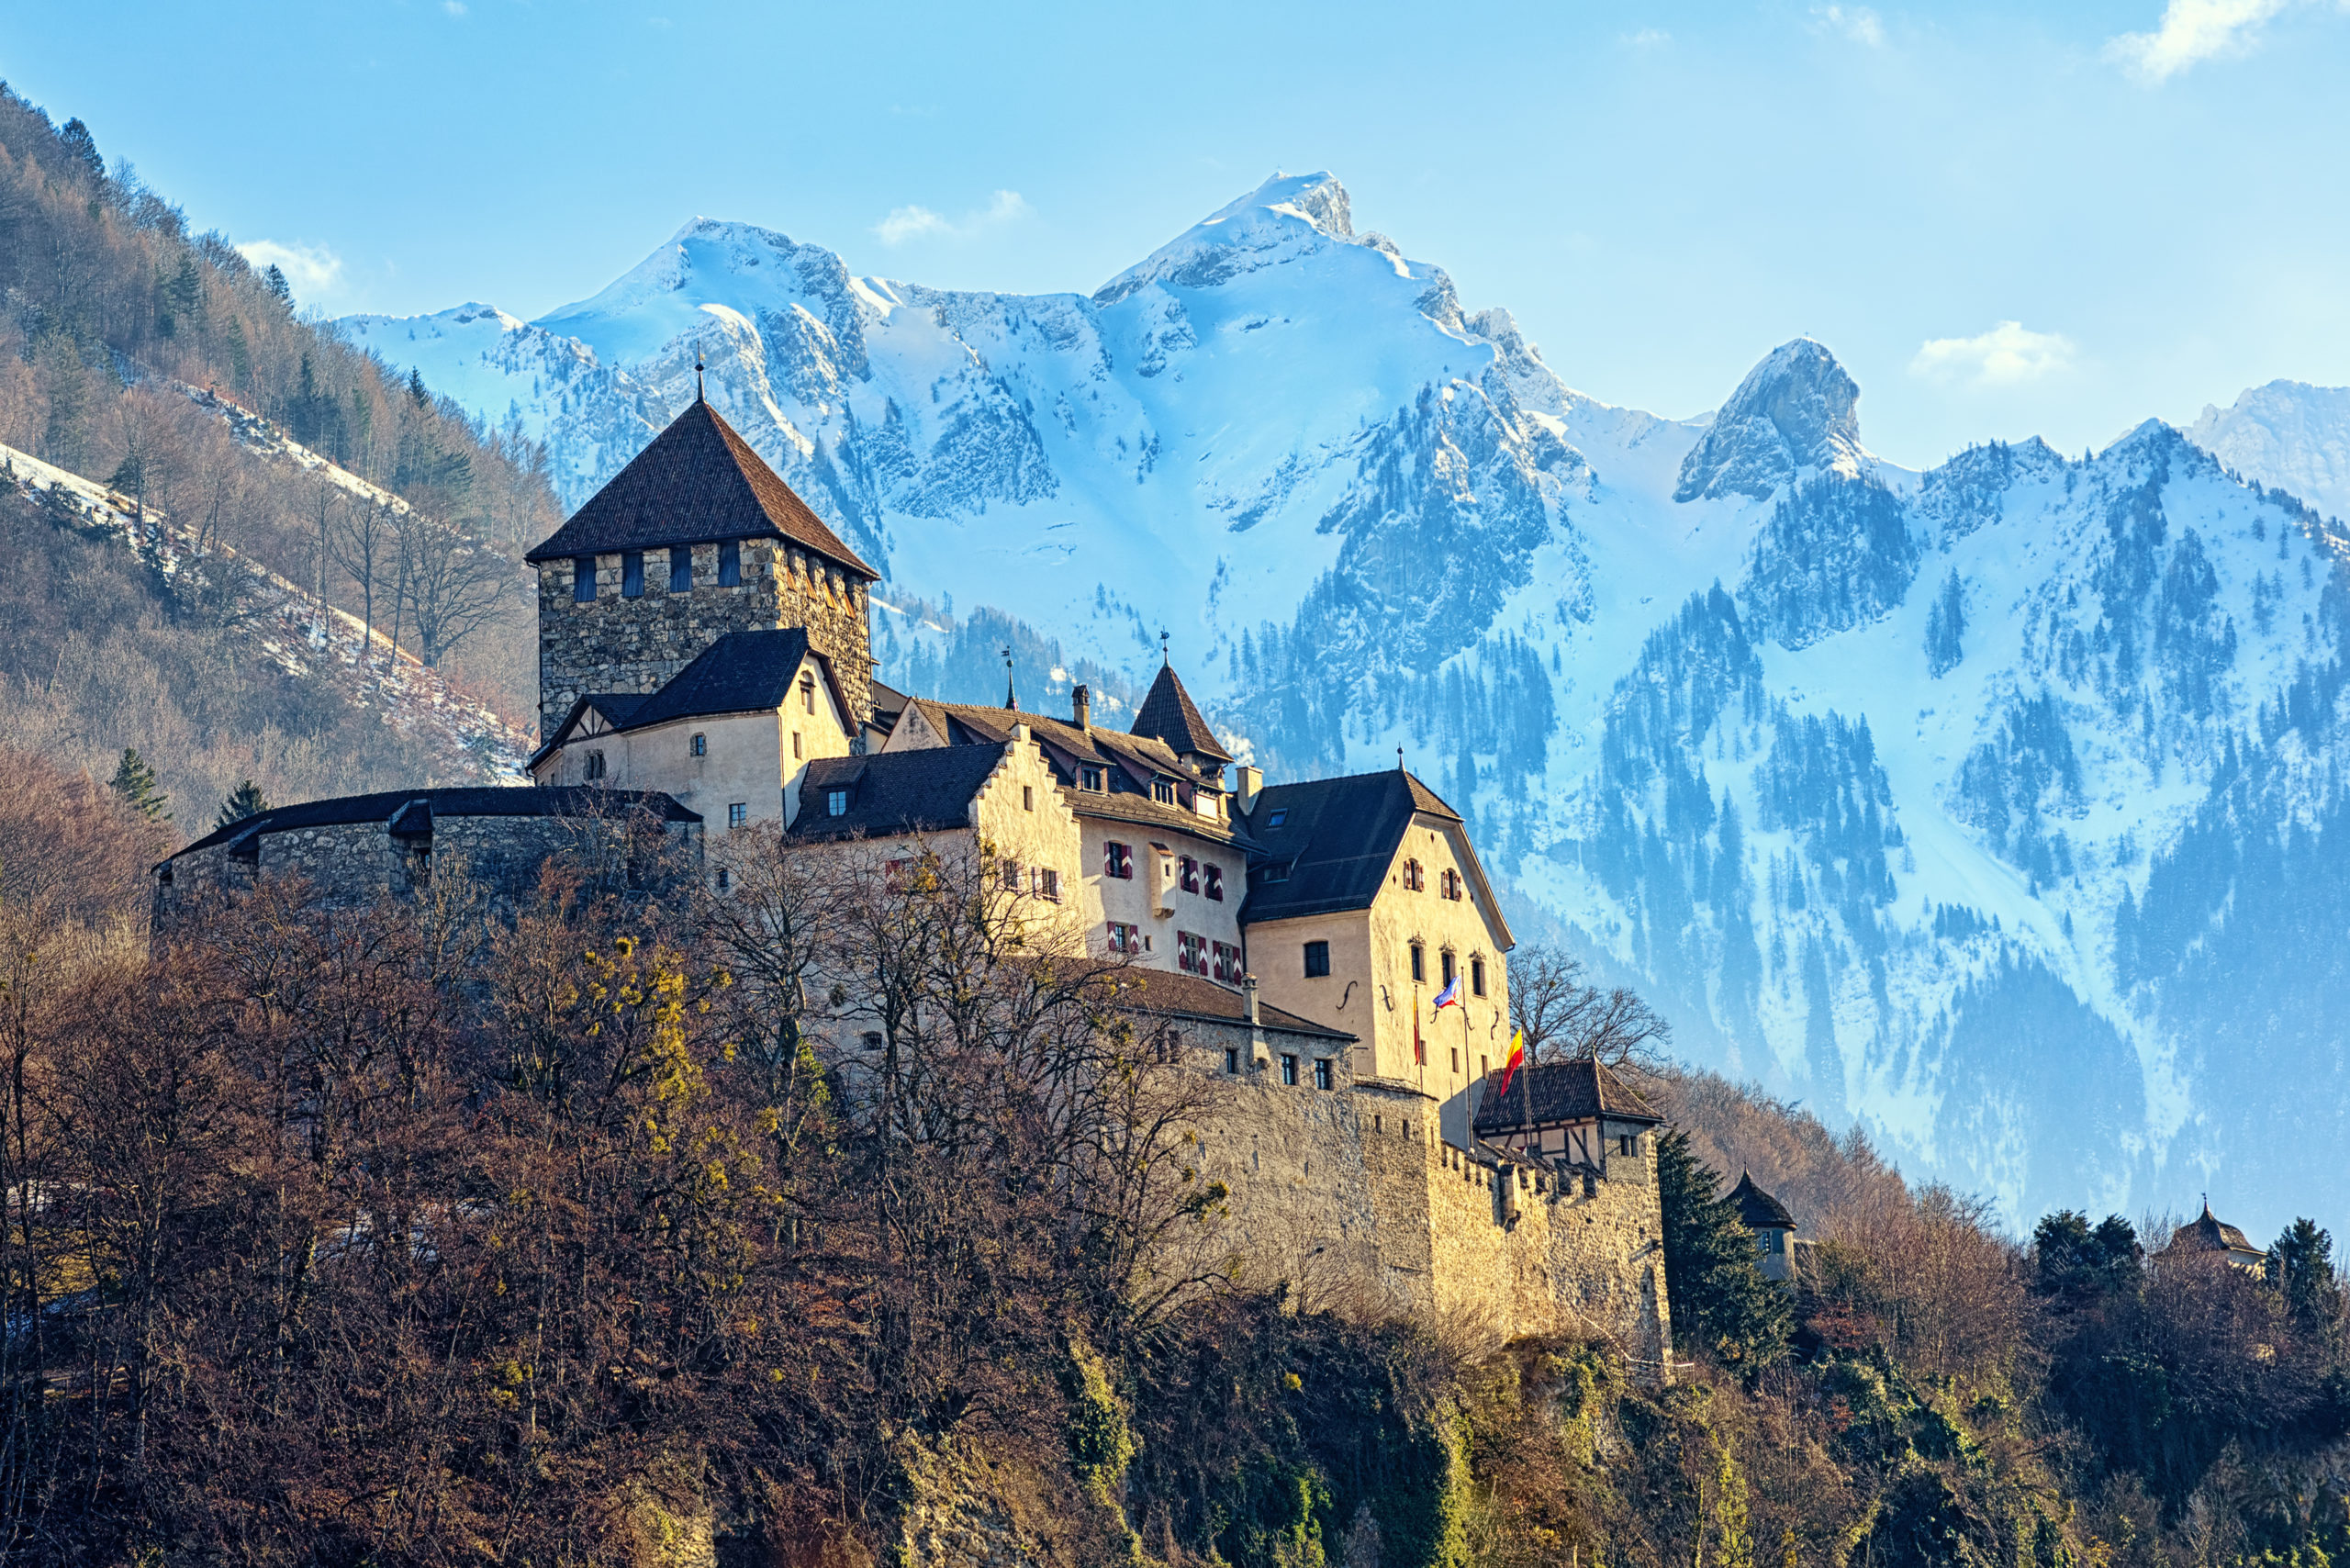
point(1517, 1059)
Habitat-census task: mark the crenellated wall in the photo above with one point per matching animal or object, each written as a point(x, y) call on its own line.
point(614, 643)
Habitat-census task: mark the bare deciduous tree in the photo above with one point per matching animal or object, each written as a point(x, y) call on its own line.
point(452, 584)
point(1565, 1019)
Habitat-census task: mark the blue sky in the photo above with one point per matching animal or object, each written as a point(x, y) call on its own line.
point(2004, 220)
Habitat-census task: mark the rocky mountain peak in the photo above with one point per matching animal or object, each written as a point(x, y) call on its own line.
point(1287, 216)
point(1797, 410)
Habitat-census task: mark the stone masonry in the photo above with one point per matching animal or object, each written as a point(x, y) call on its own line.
point(613, 643)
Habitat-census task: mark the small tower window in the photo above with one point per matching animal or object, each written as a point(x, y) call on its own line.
point(681, 568)
point(1317, 959)
point(583, 580)
point(633, 573)
point(699, 745)
point(730, 564)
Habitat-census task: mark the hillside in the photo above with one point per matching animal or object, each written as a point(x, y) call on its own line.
point(153, 364)
point(1928, 799)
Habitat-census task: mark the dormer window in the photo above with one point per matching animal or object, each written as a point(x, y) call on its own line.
point(730, 564)
point(633, 573)
point(836, 803)
point(1277, 816)
point(1090, 777)
point(681, 568)
point(1163, 791)
point(583, 580)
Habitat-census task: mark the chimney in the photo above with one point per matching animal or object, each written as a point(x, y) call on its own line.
point(1081, 700)
point(1256, 1058)
point(1251, 779)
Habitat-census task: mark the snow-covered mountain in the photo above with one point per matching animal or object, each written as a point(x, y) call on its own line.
point(2288, 434)
point(1993, 806)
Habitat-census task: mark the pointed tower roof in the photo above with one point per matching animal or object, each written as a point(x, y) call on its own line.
point(698, 481)
point(1167, 714)
point(1758, 1209)
point(2210, 1234)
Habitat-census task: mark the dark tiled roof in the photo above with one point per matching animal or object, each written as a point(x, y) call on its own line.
point(616, 707)
point(698, 481)
point(887, 700)
point(893, 792)
point(1168, 715)
point(1559, 1091)
point(1757, 1209)
point(1177, 995)
point(1142, 758)
point(742, 672)
point(1336, 836)
point(576, 800)
point(2208, 1234)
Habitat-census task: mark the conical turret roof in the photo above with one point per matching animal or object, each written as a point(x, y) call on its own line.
point(1168, 714)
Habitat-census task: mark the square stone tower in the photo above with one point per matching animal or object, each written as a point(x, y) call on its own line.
point(697, 537)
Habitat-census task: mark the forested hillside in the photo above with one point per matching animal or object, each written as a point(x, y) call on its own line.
point(157, 360)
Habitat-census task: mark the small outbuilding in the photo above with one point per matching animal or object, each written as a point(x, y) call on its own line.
point(1773, 1226)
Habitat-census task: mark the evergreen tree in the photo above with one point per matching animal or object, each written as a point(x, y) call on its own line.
point(83, 148)
point(274, 279)
point(2300, 1269)
point(134, 783)
point(2077, 1262)
point(245, 800)
point(1721, 1302)
point(1945, 626)
point(415, 390)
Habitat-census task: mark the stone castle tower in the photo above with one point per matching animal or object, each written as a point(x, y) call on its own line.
point(697, 537)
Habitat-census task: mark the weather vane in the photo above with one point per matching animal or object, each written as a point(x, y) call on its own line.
point(1162, 646)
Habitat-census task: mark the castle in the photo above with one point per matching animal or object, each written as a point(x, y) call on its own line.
point(705, 664)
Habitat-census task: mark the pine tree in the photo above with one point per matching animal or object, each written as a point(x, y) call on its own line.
point(245, 800)
point(134, 784)
point(1721, 1303)
point(2300, 1269)
point(1946, 627)
point(415, 390)
point(274, 279)
point(83, 148)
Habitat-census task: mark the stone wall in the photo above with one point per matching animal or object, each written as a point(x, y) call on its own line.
point(352, 863)
point(1353, 1197)
point(613, 643)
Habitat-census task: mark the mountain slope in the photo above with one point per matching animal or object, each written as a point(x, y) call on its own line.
point(1876, 777)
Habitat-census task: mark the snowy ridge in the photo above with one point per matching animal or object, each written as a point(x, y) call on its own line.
point(1926, 798)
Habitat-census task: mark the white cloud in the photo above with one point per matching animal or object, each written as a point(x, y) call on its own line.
point(1647, 38)
point(1855, 22)
point(2007, 354)
point(906, 223)
point(454, 7)
point(2192, 31)
point(313, 270)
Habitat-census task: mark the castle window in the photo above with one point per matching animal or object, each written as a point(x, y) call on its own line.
point(1232, 1060)
point(1420, 962)
point(725, 878)
point(1188, 876)
point(1321, 1073)
point(1456, 1060)
point(1215, 883)
point(1027, 797)
point(1289, 1070)
point(730, 564)
point(699, 745)
point(1049, 884)
point(1227, 962)
point(1012, 875)
point(1317, 959)
point(594, 767)
point(808, 692)
point(1190, 953)
point(633, 573)
point(1625, 1144)
point(1477, 975)
point(1414, 880)
point(836, 803)
point(1448, 968)
point(738, 814)
point(795, 745)
point(1091, 777)
point(1124, 938)
point(1451, 886)
point(1163, 791)
point(583, 580)
point(681, 568)
point(1117, 862)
